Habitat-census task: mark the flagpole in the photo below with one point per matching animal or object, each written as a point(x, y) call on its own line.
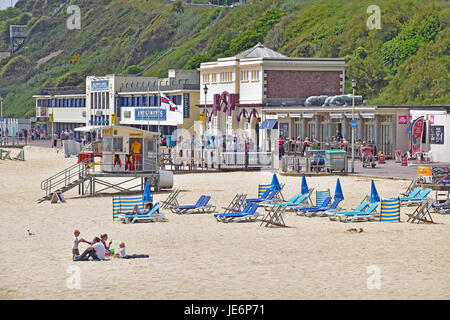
point(159, 131)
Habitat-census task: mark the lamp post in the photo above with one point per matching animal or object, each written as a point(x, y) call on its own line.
point(1, 116)
point(353, 124)
point(205, 90)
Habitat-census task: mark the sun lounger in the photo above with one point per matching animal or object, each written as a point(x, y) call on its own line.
point(249, 214)
point(359, 209)
point(6, 155)
point(367, 215)
point(421, 213)
point(418, 182)
point(202, 207)
point(152, 215)
point(268, 195)
point(324, 205)
point(175, 209)
point(412, 194)
point(319, 212)
point(442, 208)
point(414, 201)
point(277, 203)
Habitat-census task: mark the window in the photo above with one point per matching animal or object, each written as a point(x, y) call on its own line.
point(226, 76)
point(213, 77)
point(118, 144)
point(255, 75)
point(205, 78)
point(92, 100)
point(244, 76)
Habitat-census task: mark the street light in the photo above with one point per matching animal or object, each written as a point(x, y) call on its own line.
point(353, 124)
point(205, 90)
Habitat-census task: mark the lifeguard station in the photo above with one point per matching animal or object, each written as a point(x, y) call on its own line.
point(122, 152)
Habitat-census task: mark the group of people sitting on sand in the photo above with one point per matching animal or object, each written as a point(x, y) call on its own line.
point(98, 250)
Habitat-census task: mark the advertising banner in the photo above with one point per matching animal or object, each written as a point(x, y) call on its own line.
point(416, 135)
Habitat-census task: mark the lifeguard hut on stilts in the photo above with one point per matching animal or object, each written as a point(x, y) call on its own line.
point(124, 159)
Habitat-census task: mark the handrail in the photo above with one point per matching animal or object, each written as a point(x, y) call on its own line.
point(64, 176)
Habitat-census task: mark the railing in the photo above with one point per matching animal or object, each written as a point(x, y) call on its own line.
point(14, 141)
point(237, 159)
point(64, 177)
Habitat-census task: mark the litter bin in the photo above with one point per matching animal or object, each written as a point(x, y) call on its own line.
point(336, 160)
point(315, 160)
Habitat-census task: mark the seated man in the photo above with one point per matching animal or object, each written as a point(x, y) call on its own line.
point(96, 251)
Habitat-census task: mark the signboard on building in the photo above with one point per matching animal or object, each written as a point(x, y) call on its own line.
point(402, 119)
point(99, 85)
point(436, 134)
point(432, 119)
point(150, 114)
point(186, 105)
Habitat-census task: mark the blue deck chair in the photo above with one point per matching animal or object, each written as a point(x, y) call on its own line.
point(359, 209)
point(324, 205)
point(152, 215)
point(416, 199)
point(270, 194)
point(443, 208)
point(177, 208)
point(199, 207)
point(291, 202)
point(249, 215)
point(322, 211)
point(366, 215)
point(224, 217)
point(413, 194)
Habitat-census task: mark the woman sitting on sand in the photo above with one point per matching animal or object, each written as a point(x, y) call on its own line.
point(147, 209)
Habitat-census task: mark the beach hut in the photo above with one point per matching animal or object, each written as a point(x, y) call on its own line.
point(126, 149)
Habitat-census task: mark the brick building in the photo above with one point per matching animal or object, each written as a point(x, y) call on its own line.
point(240, 88)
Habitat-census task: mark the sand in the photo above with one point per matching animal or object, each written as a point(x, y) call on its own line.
point(194, 257)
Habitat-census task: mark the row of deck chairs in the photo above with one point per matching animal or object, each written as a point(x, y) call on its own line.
point(415, 197)
point(123, 206)
point(9, 155)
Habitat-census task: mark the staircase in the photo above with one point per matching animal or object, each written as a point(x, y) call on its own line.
point(64, 180)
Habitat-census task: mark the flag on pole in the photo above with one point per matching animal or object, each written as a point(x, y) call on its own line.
point(167, 101)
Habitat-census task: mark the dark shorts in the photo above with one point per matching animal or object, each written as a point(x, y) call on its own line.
point(75, 252)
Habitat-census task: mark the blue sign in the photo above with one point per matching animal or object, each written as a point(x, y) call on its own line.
point(353, 123)
point(99, 85)
point(150, 114)
point(1, 119)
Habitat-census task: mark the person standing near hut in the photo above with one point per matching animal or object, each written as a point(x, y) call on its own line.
point(281, 146)
point(136, 151)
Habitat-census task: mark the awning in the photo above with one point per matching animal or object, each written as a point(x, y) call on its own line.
point(269, 125)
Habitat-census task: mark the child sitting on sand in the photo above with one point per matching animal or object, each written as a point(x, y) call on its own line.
point(123, 255)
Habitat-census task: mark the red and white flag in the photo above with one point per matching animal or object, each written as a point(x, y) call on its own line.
point(172, 106)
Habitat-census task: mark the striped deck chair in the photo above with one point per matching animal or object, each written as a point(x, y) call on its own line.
point(263, 188)
point(421, 213)
point(172, 199)
point(321, 196)
point(125, 205)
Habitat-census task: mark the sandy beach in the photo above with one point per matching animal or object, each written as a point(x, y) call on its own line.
point(195, 257)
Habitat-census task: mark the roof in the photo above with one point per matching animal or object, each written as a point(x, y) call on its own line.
point(260, 51)
point(93, 128)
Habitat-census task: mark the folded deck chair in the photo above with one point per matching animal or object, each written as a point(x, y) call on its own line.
point(275, 217)
point(126, 205)
point(248, 214)
point(236, 204)
point(152, 215)
point(172, 199)
point(414, 201)
point(323, 211)
point(175, 209)
point(366, 215)
point(412, 194)
point(7, 155)
point(324, 205)
point(421, 213)
point(223, 217)
point(359, 209)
